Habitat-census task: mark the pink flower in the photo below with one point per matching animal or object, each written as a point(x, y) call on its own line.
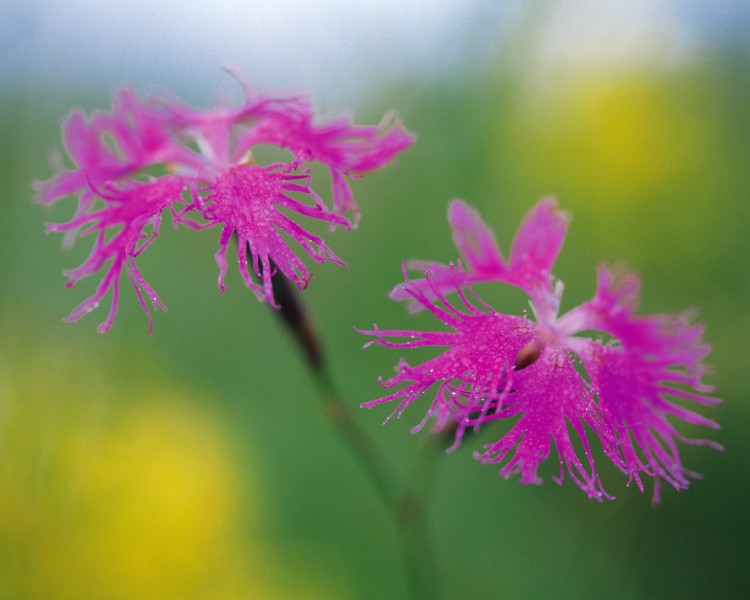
point(553, 382)
point(149, 155)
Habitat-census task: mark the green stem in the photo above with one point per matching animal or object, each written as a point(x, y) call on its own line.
point(407, 505)
point(369, 454)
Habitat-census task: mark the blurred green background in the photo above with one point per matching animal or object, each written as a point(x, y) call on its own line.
point(194, 463)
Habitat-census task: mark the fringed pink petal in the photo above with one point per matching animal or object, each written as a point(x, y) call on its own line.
point(246, 200)
point(126, 225)
point(473, 376)
point(631, 390)
point(534, 251)
point(475, 241)
point(111, 146)
point(552, 399)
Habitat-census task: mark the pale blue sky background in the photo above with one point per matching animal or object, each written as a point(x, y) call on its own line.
point(330, 48)
point(336, 50)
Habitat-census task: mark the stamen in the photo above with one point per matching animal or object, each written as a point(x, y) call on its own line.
point(247, 159)
point(528, 355)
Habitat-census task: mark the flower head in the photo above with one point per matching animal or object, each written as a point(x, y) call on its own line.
point(555, 383)
point(148, 155)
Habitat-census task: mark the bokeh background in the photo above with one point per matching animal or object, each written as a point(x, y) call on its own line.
point(195, 463)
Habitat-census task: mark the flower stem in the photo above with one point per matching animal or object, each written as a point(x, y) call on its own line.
point(370, 456)
point(334, 409)
point(405, 503)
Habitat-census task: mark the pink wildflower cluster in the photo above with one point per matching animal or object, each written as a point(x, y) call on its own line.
point(149, 155)
point(544, 374)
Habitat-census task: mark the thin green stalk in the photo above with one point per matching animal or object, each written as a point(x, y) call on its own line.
point(369, 454)
point(408, 508)
point(406, 504)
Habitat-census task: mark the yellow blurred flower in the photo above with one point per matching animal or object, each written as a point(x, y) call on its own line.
point(621, 137)
point(635, 153)
point(110, 493)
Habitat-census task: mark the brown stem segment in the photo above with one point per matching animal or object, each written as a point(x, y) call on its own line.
point(293, 315)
